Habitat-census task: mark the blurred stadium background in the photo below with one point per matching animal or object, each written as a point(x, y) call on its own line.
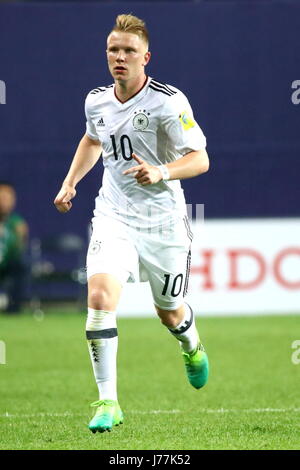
point(238, 63)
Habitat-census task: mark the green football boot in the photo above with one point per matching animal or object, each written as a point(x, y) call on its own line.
point(197, 368)
point(108, 414)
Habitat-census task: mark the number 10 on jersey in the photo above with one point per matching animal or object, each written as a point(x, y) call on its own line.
point(126, 147)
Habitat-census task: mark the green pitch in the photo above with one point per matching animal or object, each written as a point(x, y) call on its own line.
point(250, 402)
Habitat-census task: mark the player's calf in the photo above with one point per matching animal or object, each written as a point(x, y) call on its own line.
point(194, 355)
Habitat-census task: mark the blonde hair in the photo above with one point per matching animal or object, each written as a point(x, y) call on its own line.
point(132, 24)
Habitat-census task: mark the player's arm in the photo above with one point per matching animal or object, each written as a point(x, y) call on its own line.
point(86, 156)
point(192, 164)
point(22, 232)
point(187, 139)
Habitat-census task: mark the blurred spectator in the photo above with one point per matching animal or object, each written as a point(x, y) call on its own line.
point(13, 243)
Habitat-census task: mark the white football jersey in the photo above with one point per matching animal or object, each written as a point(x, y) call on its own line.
point(156, 124)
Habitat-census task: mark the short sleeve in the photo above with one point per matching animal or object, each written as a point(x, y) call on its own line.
point(180, 126)
point(90, 127)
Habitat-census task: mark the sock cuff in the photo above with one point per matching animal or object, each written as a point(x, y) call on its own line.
point(100, 320)
point(99, 312)
point(186, 322)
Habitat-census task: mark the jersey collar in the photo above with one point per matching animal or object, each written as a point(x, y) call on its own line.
point(133, 99)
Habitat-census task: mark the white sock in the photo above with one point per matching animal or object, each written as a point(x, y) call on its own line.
point(102, 339)
point(186, 332)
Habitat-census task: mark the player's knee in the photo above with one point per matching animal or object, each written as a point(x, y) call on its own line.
point(100, 299)
point(170, 318)
point(168, 322)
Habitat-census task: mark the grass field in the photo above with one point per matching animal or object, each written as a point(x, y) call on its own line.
point(251, 401)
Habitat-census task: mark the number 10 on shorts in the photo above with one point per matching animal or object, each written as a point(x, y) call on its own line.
point(175, 286)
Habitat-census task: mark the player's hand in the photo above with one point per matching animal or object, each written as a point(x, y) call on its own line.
point(63, 199)
point(143, 172)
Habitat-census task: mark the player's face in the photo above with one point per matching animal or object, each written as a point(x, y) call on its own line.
point(127, 55)
point(7, 199)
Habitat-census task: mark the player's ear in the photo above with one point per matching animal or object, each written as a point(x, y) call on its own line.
point(147, 57)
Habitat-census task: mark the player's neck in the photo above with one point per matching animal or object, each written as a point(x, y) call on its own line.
point(125, 90)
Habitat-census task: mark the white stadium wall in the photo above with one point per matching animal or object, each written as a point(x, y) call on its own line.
point(239, 267)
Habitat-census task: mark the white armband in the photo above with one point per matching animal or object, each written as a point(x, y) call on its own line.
point(164, 171)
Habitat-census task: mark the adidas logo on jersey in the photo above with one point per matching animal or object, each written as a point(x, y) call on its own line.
point(100, 122)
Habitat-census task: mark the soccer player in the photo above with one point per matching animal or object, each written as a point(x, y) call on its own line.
point(13, 244)
point(148, 139)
